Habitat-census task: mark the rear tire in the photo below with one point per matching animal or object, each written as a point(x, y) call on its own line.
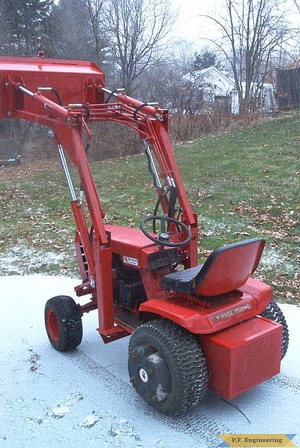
point(274, 313)
point(63, 323)
point(166, 366)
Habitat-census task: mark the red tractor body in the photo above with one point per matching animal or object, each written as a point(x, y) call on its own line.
point(193, 325)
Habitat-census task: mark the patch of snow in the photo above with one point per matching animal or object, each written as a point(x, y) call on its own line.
point(12, 261)
point(272, 259)
point(59, 411)
point(84, 398)
point(160, 394)
point(155, 358)
point(90, 421)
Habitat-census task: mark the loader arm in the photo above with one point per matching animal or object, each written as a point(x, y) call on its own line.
point(64, 96)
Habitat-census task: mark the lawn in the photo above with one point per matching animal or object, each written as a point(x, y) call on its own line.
point(244, 183)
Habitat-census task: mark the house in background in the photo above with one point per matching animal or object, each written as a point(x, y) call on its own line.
point(216, 88)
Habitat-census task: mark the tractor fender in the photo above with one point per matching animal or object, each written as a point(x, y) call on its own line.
point(190, 313)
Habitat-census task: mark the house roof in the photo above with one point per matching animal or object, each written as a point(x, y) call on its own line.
point(211, 78)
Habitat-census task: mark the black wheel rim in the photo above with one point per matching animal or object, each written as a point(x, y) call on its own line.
point(149, 373)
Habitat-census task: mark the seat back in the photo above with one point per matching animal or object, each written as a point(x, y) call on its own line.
point(228, 267)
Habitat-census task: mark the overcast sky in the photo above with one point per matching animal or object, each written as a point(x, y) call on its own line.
point(197, 29)
point(191, 25)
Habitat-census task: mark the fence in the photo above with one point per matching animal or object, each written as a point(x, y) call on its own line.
point(288, 88)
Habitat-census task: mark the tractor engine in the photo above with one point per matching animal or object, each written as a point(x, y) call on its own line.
point(128, 288)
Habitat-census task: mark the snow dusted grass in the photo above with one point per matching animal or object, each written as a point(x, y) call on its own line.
point(243, 184)
point(20, 258)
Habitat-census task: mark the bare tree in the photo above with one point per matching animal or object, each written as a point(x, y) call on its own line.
point(138, 30)
point(164, 81)
point(73, 33)
point(252, 30)
point(96, 20)
point(297, 4)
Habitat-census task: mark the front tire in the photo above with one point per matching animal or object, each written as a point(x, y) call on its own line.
point(166, 366)
point(274, 313)
point(63, 323)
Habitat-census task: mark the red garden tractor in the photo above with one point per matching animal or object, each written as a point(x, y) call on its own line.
point(192, 326)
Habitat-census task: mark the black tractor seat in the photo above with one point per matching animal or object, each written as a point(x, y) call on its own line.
point(226, 269)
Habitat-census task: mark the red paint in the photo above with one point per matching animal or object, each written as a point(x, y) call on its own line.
point(242, 356)
point(232, 337)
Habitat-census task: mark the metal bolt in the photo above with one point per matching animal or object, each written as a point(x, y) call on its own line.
point(92, 282)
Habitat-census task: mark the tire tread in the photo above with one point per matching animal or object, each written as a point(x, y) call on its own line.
point(70, 323)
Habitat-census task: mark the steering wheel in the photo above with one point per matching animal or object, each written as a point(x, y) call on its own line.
point(164, 237)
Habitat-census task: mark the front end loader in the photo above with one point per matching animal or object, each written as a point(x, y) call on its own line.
point(191, 326)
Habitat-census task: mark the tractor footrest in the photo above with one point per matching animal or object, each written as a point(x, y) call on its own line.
point(242, 356)
point(127, 321)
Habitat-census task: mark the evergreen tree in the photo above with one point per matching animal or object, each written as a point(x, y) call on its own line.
point(27, 26)
point(204, 60)
point(72, 38)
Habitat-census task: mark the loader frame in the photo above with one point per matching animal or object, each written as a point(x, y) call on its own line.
point(215, 303)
